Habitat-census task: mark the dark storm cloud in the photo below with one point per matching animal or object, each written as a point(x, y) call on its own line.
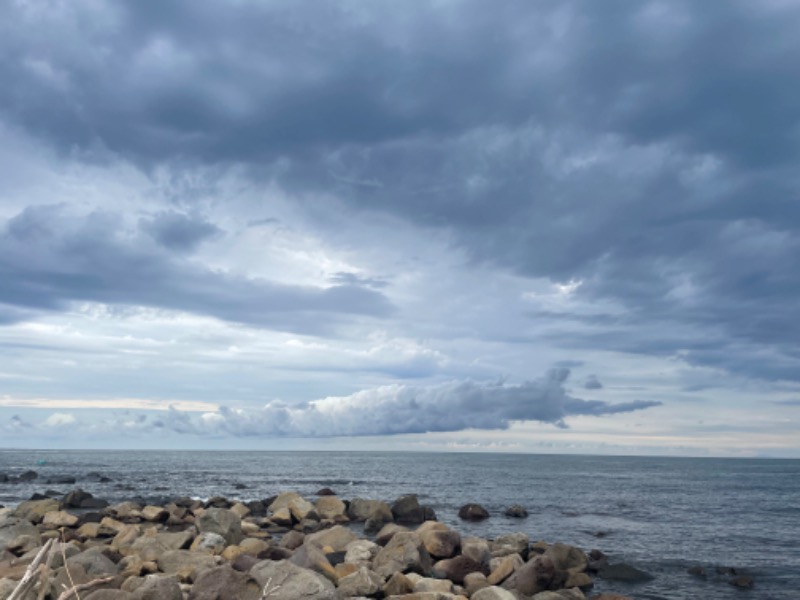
point(645, 149)
point(49, 257)
point(179, 231)
point(592, 383)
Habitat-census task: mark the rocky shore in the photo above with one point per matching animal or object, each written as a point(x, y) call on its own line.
point(281, 548)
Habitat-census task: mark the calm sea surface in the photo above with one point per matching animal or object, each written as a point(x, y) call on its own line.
point(662, 515)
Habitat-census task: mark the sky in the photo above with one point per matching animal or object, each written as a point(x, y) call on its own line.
point(562, 227)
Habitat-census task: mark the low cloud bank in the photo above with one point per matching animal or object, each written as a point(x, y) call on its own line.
point(399, 409)
point(386, 410)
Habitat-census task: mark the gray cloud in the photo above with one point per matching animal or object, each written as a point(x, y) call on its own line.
point(50, 257)
point(631, 147)
point(179, 231)
point(399, 409)
point(592, 383)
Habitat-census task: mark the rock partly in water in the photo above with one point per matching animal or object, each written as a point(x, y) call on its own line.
point(473, 512)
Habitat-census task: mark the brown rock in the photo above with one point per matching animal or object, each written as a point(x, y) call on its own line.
point(455, 569)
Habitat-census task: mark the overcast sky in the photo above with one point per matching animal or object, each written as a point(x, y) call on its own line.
point(501, 226)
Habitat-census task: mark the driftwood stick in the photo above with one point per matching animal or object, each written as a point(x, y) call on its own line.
point(28, 579)
point(83, 586)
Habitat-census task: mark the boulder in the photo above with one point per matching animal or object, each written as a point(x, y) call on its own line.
point(185, 564)
point(28, 476)
point(512, 543)
point(440, 542)
point(292, 540)
point(74, 498)
point(154, 514)
point(439, 586)
point(399, 584)
point(360, 510)
point(159, 587)
point(282, 517)
point(474, 582)
point(336, 537)
point(330, 507)
point(406, 509)
point(473, 512)
point(208, 542)
point(126, 510)
point(12, 527)
point(360, 551)
point(477, 549)
point(221, 521)
point(387, 532)
point(361, 583)
point(59, 518)
point(302, 509)
point(516, 511)
point(93, 562)
point(568, 558)
point(457, 568)
point(537, 575)
point(282, 580)
point(403, 553)
point(224, 583)
point(310, 556)
point(493, 593)
point(505, 566)
point(326, 491)
point(109, 595)
point(35, 510)
point(177, 540)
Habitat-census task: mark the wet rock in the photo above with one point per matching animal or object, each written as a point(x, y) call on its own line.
point(568, 558)
point(697, 571)
point(473, 512)
point(28, 476)
point(516, 511)
point(326, 491)
point(60, 480)
point(537, 575)
point(407, 510)
point(742, 582)
point(360, 510)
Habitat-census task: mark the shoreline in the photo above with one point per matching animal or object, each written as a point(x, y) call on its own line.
point(339, 548)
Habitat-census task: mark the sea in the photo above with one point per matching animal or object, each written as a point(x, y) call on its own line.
point(661, 515)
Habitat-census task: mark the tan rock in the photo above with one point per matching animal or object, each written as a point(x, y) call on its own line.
point(240, 510)
point(59, 518)
point(504, 568)
point(330, 507)
point(337, 538)
point(155, 514)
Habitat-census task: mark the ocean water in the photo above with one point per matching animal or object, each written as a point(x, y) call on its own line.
point(662, 515)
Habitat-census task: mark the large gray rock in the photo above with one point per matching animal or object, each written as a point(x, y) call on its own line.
point(282, 580)
point(336, 537)
point(537, 575)
point(223, 583)
point(493, 593)
point(406, 509)
point(361, 583)
point(13, 527)
point(361, 509)
point(403, 553)
point(512, 543)
point(221, 521)
point(159, 587)
point(473, 512)
point(477, 549)
point(568, 558)
point(94, 562)
point(185, 564)
point(439, 540)
point(330, 507)
point(35, 510)
point(109, 595)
